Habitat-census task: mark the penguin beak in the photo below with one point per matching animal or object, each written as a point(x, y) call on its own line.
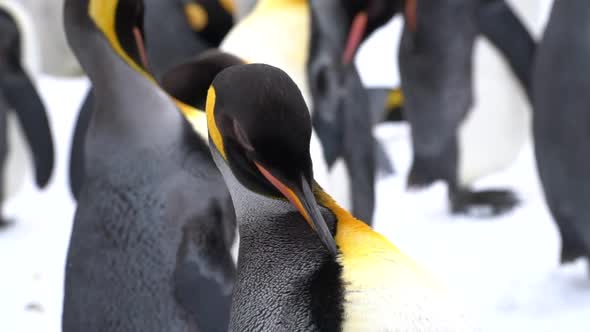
point(301, 196)
point(355, 36)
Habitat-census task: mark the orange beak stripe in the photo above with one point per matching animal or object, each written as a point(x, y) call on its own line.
point(357, 30)
point(287, 192)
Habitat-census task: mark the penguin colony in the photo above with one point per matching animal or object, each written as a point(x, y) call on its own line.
point(182, 148)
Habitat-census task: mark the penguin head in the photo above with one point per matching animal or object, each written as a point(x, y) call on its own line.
point(259, 124)
point(119, 22)
point(10, 52)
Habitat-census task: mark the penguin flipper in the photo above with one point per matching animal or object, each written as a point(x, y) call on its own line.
point(21, 95)
point(205, 272)
point(499, 24)
point(483, 204)
point(77, 149)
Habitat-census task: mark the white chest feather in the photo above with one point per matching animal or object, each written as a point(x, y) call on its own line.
point(499, 123)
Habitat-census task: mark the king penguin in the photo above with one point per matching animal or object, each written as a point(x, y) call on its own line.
point(561, 82)
point(305, 263)
point(457, 135)
point(315, 42)
point(150, 244)
point(175, 31)
point(19, 97)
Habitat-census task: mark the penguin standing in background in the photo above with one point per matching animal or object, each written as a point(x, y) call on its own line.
point(340, 100)
point(451, 141)
point(189, 28)
point(561, 84)
point(19, 98)
point(315, 42)
point(150, 244)
point(313, 266)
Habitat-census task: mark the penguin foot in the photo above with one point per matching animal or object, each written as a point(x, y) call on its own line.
point(483, 204)
point(572, 250)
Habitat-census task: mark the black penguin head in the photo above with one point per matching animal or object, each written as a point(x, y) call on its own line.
point(259, 123)
point(121, 23)
point(10, 51)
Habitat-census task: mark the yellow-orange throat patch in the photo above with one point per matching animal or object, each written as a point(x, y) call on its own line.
point(211, 124)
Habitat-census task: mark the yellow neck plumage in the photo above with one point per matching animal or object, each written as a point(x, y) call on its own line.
point(103, 13)
point(214, 132)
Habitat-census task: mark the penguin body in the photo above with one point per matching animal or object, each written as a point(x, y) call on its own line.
point(560, 82)
point(305, 263)
point(169, 42)
point(25, 125)
point(458, 136)
point(149, 249)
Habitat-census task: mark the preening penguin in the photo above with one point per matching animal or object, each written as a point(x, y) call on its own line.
point(561, 82)
point(305, 263)
point(18, 96)
point(455, 137)
point(150, 245)
point(175, 30)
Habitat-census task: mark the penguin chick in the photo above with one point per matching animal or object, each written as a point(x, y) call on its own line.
point(18, 95)
point(150, 244)
point(305, 263)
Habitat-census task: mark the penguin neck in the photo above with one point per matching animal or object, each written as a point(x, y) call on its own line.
point(129, 106)
point(256, 212)
point(280, 255)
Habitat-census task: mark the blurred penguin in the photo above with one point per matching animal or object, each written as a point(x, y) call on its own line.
point(189, 28)
point(464, 125)
point(561, 84)
point(150, 244)
point(20, 100)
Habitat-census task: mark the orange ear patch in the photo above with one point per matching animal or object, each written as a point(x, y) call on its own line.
point(411, 15)
point(196, 16)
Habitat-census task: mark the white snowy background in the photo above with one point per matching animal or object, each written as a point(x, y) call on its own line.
point(505, 270)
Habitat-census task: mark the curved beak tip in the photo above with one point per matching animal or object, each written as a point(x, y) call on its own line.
point(303, 199)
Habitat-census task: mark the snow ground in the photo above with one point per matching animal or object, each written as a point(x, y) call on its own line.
point(505, 269)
